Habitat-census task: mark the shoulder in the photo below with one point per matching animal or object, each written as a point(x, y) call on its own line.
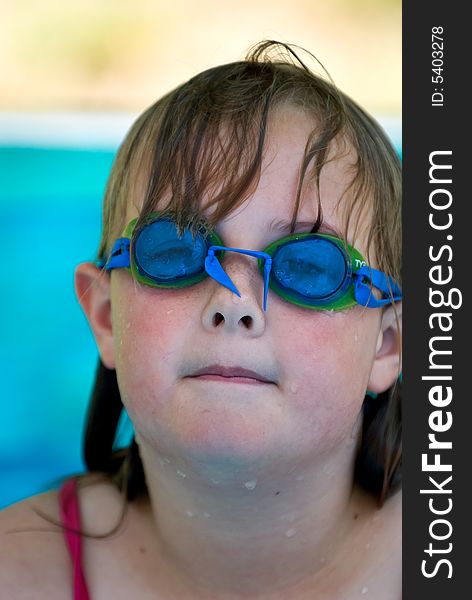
point(383, 549)
point(371, 557)
point(33, 556)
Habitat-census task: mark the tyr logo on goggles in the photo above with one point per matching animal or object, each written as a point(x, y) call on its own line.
point(312, 270)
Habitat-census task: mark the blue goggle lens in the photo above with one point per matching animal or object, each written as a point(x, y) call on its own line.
point(163, 256)
point(315, 269)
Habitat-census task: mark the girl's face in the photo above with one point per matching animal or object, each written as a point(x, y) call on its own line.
point(319, 363)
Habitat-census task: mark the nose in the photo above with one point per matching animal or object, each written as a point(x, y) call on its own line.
point(236, 301)
point(215, 270)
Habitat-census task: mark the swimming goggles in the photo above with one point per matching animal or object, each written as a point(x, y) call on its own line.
point(311, 270)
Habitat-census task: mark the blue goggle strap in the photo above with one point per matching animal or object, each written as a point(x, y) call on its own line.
point(365, 277)
point(119, 256)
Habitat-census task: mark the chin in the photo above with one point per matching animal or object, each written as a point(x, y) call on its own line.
point(226, 431)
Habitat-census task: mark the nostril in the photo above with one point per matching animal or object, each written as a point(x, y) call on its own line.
point(247, 320)
point(217, 319)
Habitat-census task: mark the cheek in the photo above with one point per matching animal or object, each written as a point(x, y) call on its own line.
point(327, 360)
point(148, 337)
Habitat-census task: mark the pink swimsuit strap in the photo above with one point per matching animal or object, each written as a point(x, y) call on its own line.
point(70, 516)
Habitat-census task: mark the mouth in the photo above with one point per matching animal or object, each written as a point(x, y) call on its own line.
point(230, 375)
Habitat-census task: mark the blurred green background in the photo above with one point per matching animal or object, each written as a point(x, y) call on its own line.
point(73, 76)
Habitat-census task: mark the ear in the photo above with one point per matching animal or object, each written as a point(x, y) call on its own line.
point(92, 287)
point(387, 361)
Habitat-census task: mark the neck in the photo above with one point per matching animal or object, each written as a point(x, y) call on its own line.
point(256, 531)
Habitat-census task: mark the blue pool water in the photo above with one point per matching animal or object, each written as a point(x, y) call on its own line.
point(50, 218)
point(49, 222)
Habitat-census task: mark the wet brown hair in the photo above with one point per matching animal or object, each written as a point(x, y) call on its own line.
point(205, 140)
point(200, 147)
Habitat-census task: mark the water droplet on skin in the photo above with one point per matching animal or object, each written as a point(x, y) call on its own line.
point(206, 515)
point(128, 325)
point(364, 590)
point(169, 312)
point(189, 513)
point(299, 477)
point(294, 388)
point(214, 481)
point(290, 533)
point(180, 473)
point(166, 460)
point(356, 338)
point(250, 485)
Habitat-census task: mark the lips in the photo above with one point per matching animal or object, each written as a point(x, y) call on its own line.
point(231, 372)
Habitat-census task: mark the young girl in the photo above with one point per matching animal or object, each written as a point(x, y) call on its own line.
point(245, 304)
